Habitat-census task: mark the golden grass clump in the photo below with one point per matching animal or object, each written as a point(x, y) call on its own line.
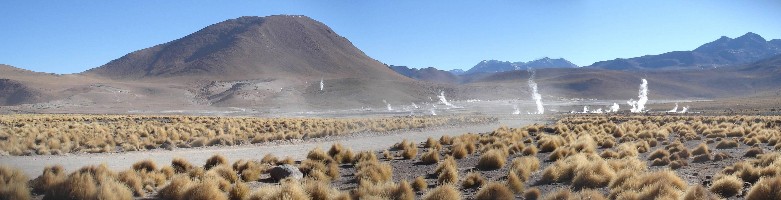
point(133, 181)
point(727, 144)
point(317, 154)
point(765, 188)
point(205, 190)
point(419, 184)
point(532, 194)
point(176, 189)
point(491, 160)
point(530, 151)
point(515, 183)
point(443, 192)
point(697, 192)
point(146, 165)
point(659, 154)
point(494, 191)
point(524, 166)
point(458, 151)
point(472, 180)
point(409, 151)
point(13, 184)
point(110, 189)
point(549, 143)
point(239, 191)
point(373, 172)
point(651, 185)
point(214, 161)
point(594, 174)
point(51, 176)
point(753, 152)
point(727, 186)
point(701, 149)
point(430, 157)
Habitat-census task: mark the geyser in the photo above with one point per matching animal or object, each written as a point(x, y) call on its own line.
point(639, 105)
point(675, 109)
point(614, 107)
point(443, 100)
point(516, 111)
point(535, 95)
point(321, 84)
point(389, 106)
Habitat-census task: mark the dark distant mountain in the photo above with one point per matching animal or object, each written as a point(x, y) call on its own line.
point(429, 74)
point(288, 46)
point(724, 51)
point(493, 66)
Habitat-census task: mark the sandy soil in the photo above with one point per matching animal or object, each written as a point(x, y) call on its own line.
point(33, 165)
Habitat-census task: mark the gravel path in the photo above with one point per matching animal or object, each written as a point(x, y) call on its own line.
point(33, 165)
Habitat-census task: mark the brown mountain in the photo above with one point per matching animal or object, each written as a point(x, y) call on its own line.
point(277, 46)
point(429, 74)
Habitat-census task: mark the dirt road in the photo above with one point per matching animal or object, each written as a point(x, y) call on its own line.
point(33, 165)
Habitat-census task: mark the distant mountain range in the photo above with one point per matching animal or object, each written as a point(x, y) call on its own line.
point(724, 51)
point(429, 74)
point(493, 66)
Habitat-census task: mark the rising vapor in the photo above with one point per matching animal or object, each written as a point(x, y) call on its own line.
point(535, 95)
point(639, 105)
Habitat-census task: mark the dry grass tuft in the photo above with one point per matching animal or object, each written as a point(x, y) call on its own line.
point(753, 152)
point(269, 159)
point(532, 194)
point(443, 192)
point(594, 174)
point(448, 174)
point(491, 160)
point(430, 157)
point(560, 194)
point(419, 184)
point(239, 191)
point(472, 180)
point(766, 188)
point(727, 144)
point(13, 184)
point(373, 172)
point(494, 191)
point(697, 192)
point(701, 149)
point(133, 181)
point(214, 161)
point(458, 151)
point(51, 176)
point(515, 183)
point(403, 191)
point(145, 165)
point(659, 154)
point(318, 154)
point(176, 189)
point(727, 186)
point(205, 190)
point(524, 166)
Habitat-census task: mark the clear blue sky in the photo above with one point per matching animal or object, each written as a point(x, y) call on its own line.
point(72, 36)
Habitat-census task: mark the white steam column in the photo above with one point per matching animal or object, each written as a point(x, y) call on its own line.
point(614, 108)
point(639, 105)
point(321, 84)
point(535, 95)
point(443, 100)
point(389, 106)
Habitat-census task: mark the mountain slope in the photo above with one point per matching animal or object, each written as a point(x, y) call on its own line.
point(724, 51)
point(252, 48)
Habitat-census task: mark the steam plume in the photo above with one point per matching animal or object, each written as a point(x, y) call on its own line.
point(639, 105)
point(535, 95)
point(516, 110)
point(321, 84)
point(614, 108)
point(443, 100)
point(684, 110)
point(389, 106)
point(675, 109)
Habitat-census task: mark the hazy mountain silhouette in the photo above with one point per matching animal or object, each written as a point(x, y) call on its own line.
point(721, 52)
point(493, 66)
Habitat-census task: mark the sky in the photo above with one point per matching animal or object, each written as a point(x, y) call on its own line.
point(72, 36)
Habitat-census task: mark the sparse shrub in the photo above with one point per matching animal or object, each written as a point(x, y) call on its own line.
point(430, 157)
point(721, 156)
point(269, 159)
point(51, 176)
point(594, 174)
point(660, 162)
point(701, 149)
point(205, 190)
point(727, 186)
point(491, 160)
point(113, 190)
point(336, 148)
point(239, 191)
point(559, 194)
point(403, 191)
point(753, 152)
point(13, 184)
point(494, 191)
point(214, 161)
point(374, 172)
point(532, 194)
point(387, 155)
point(524, 166)
point(176, 189)
point(659, 154)
point(443, 192)
point(446, 140)
point(318, 154)
point(133, 181)
point(472, 180)
point(697, 192)
point(225, 172)
point(515, 183)
point(766, 188)
point(448, 174)
point(702, 158)
point(147, 165)
point(78, 185)
point(727, 144)
point(409, 152)
point(458, 151)
point(419, 184)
